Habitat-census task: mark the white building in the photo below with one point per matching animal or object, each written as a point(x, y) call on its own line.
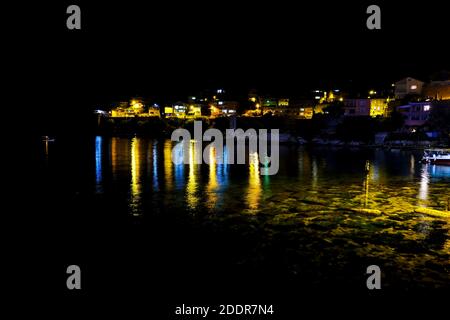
point(408, 86)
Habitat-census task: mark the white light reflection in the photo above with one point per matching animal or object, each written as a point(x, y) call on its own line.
point(424, 182)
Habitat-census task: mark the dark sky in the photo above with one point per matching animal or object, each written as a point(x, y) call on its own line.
point(171, 49)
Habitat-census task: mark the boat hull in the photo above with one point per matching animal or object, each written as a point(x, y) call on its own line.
point(441, 161)
point(444, 162)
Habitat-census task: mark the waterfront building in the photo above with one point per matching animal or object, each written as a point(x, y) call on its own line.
point(133, 108)
point(415, 113)
point(365, 107)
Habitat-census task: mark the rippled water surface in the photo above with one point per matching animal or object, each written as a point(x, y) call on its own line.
point(309, 211)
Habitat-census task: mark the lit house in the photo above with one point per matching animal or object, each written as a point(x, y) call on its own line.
point(134, 108)
point(178, 110)
point(194, 110)
point(268, 102)
point(154, 111)
point(122, 110)
point(415, 113)
point(408, 86)
point(229, 107)
point(274, 106)
point(304, 109)
point(306, 112)
point(224, 108)
point(365, 107)
point(283, 102)
point(301, 109)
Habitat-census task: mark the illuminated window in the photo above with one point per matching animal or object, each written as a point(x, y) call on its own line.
point(426, 108)
point(413, 87)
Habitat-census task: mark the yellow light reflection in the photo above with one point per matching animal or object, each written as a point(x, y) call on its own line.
point(114, 156)
point(168, 165)
point(367, 183)
point(254, 182)
point(135, 199)
point(212, 182)
point(192, 184)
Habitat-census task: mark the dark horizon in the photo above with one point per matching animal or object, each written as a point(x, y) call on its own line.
point(168, 51)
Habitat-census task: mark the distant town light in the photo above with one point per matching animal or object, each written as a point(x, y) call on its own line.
point(413, 87)
point(341, 99)
point(220, 103)
point(426, 107)
point(168, 110)
point(317, 97)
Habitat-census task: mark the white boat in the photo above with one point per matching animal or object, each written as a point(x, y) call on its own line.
point(436, 156)
point(47, 139)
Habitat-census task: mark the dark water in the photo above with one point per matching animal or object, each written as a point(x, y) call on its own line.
point(300, 223)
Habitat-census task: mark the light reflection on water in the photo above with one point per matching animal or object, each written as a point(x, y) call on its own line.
point(320, 174)
point(313, 192)
point(424, 181)
point(155, 166)
point(254, 183)
point(136, 184)
point(98, 164)
point(212, 187)
point(192, 183)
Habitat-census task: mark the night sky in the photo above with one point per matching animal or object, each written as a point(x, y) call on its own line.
point(169, 50)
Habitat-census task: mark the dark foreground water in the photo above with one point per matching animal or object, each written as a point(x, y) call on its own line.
point(300, 226)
